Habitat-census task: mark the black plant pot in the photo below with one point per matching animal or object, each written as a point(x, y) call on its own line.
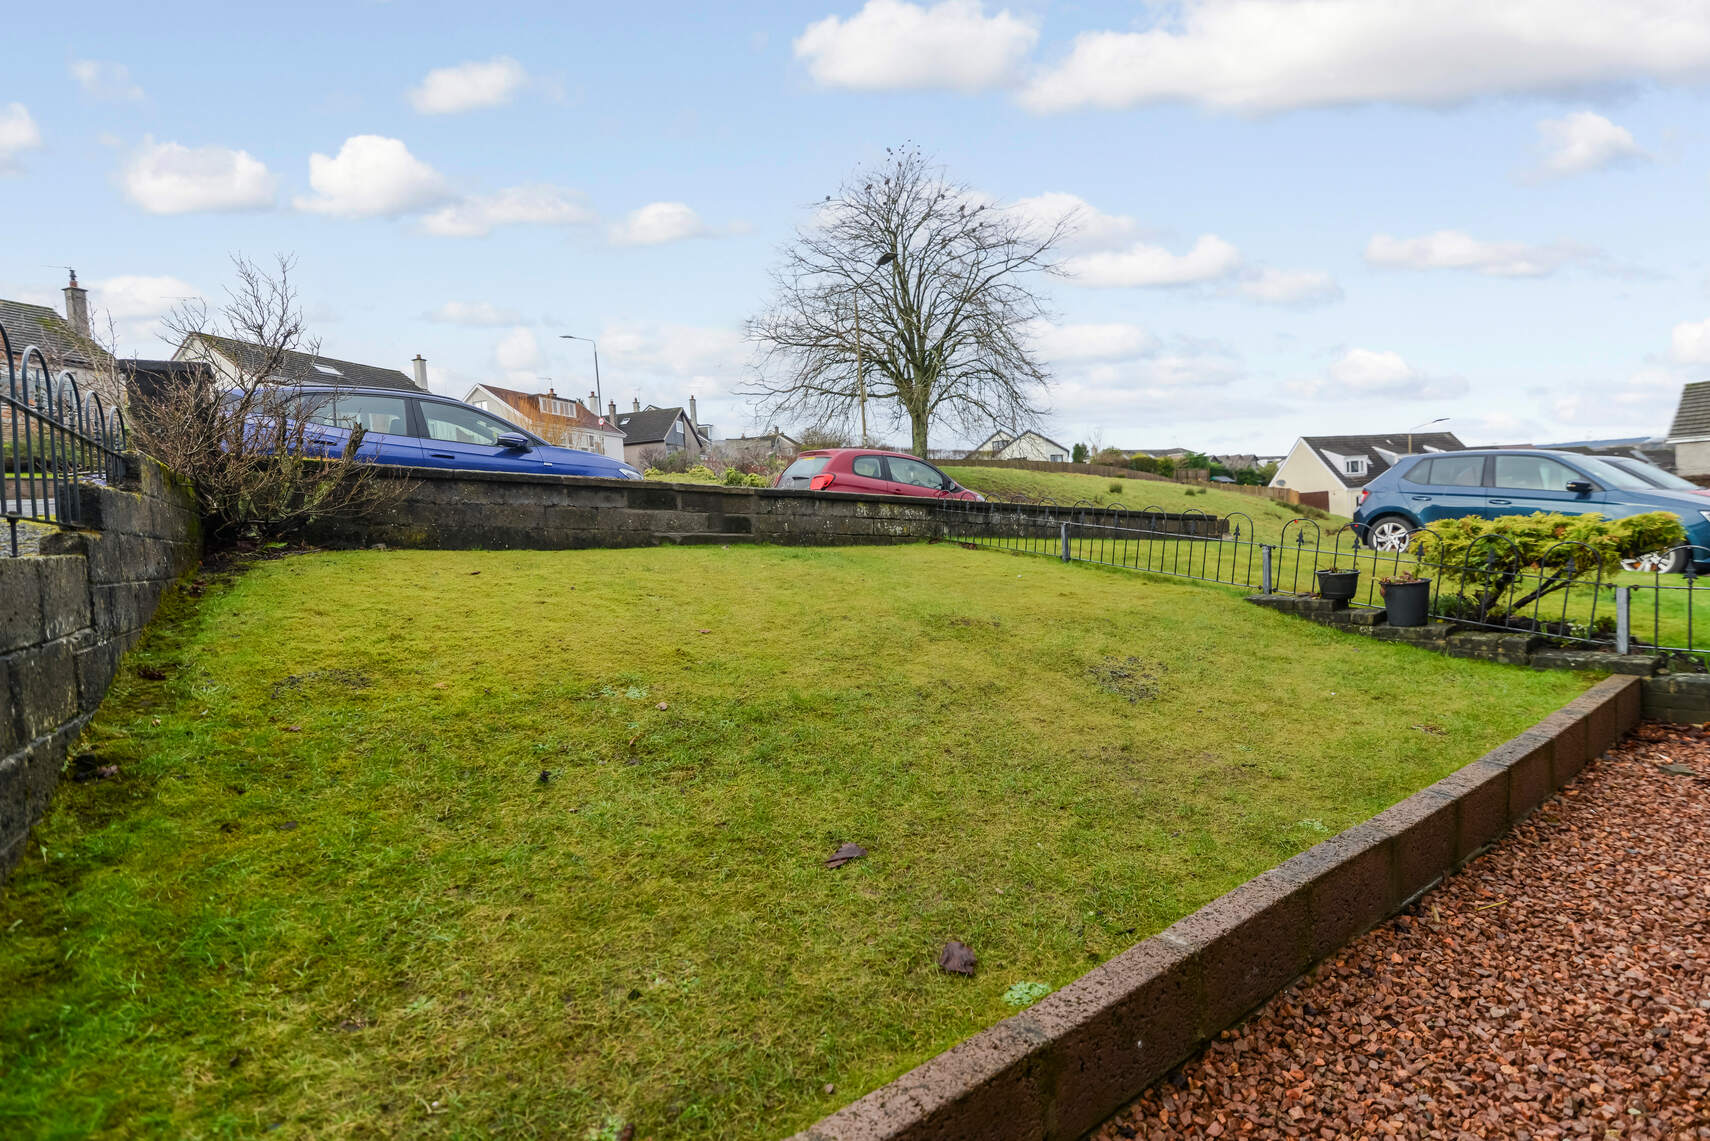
point(1338, 586)
point(1407, 603)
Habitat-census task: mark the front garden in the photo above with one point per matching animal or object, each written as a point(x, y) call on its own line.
point(392, 844)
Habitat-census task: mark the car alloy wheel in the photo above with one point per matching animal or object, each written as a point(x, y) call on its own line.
point(1390, 535)
point(1657, 562)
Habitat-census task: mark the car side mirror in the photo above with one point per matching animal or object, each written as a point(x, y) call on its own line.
point(512, 440)
point(1579, 487)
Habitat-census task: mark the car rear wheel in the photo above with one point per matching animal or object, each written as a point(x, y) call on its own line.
point(1390, 533)
point(1658, 562)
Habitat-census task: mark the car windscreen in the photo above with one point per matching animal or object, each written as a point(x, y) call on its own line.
point(1655, 475)
point(1611, 476)
point(804, 468)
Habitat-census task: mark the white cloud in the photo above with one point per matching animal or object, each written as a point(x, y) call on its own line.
point(1076, 344)
point(109, 82)
point(1361, 373)
point(1093, 228)
point(1141, 264)
point(133, 297)
point(536, 205)
point(1452, 249)
point(371, 176)
point(1583, 141)
point(1691, 342)
point(1270, 55)
point(708, 356)
point(657, 223)
point(892, 45)
point(469, 86)
point(518, 351)
point(473, 313)
point(18, 133)
point(171, 178)
point(1288, 287)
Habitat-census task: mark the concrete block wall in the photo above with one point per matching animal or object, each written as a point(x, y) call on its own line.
point(66, 617)
point(448, 510)
point(1067, 1063)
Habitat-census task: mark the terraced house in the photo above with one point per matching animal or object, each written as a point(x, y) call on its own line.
point(560, 420)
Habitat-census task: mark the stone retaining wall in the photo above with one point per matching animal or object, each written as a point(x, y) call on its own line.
point(447, 510)
point(66, 616)
point(1067, 1063)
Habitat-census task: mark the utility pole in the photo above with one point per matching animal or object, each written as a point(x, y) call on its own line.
point(860, 363)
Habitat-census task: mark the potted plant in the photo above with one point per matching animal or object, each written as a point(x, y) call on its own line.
point(1339, 584)
point(1406, 598)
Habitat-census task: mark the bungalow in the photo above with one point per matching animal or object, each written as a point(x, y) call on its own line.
point(66, 342)
point(1028, 445)
point(233, 361)
point(773, 443)
point(651, 433)
point(1339, 466)
point(1690, 432)
point(561, 420)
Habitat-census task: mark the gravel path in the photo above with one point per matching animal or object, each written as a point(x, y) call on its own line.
point(1559, 987)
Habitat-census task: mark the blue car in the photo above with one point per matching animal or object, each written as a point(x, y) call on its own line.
point(1419, 490)
point(419, 429)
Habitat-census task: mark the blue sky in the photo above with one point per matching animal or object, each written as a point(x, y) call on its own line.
point(1299, 216)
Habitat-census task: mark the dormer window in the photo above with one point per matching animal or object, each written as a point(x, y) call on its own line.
point(327, 369)
point(1356, 466)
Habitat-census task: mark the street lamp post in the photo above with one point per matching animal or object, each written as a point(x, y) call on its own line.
point(1416, 427)
point(860, 365)
point(599, 392)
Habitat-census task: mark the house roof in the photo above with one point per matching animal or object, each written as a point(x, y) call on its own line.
point(650, 425)
point(1692, 415)
point(39, 325)
point(1011, 437)
point(301, 368)
point(528, 404)
point(1378, 451)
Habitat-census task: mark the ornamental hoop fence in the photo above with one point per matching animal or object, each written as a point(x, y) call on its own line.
point(55, 439)
point(1565, 595)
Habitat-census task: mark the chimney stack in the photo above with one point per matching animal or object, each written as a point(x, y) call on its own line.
point(593, 404)
point(637, 401)
point(611, 410)
point(421, 371)
point(693, 417)
point(77, 307)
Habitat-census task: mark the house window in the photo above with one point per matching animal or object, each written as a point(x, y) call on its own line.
point(556, 407)
point(1356, 467)
point(1056, 457)
point(328, 369)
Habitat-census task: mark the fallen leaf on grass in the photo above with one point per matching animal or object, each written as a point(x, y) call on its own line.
point(957, 958)
point(151, 673)
point(440, 684)
point(293, 728)
point(663, 707)
point(844, 854)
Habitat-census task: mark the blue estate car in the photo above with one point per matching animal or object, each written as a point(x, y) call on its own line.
point(419, 429)
point(1418, 490)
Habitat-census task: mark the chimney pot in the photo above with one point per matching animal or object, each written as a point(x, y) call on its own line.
point(77, 307)
point(420, 363)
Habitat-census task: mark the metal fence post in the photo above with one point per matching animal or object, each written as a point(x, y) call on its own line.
point(1065, 542)
point(1623, 619)
point(1266, 571)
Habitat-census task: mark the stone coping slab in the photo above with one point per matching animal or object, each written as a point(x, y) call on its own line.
point(1064, 1065)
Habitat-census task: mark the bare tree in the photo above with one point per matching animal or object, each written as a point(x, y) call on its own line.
point(244, 441)
point(910, 292)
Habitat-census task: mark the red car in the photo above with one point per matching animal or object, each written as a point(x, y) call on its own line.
point(864, 471)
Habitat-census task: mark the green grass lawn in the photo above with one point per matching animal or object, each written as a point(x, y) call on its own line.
point(1269, 516)
point(331, 892)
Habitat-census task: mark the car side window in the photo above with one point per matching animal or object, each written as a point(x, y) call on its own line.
point(868, 466)
point(916, 473)
point(1533, 473)
point(1419, 473)
point(1457, 471)
point(456, 424)
point(384, 414)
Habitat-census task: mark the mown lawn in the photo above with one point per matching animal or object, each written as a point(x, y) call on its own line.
point(526, 844)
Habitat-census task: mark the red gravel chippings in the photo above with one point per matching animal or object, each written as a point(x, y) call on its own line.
point(1558, 987)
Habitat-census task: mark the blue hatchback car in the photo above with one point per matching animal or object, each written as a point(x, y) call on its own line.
point(419, 429)
point(1418, 490)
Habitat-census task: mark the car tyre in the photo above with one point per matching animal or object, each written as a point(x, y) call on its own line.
point(1389, 533)
point(1659, 562)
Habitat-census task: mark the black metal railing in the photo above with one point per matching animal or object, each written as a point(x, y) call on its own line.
point(1563, 594)
point(55, 439)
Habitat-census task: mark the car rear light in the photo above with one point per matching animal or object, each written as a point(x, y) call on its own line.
point(821, 481)
point(1365, 493)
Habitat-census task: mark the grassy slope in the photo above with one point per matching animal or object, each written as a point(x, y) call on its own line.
point(329, 889)
point(1268, 515)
